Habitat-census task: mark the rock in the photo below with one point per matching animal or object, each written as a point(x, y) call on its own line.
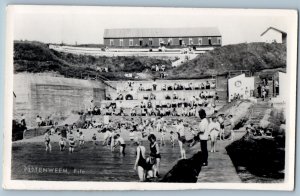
point(185, 170)
point(260, 155)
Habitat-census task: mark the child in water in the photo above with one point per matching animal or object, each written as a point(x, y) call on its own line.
point(62, 144)
point(94, 139)
point(81, 139)
point(47, 141)
point(172, 138)
point(71, 143)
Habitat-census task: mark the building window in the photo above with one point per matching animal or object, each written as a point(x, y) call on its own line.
point(209, 41)
point(150, 42)
point(131, 42)
point(200, 41)
point(141, 42)
point(170, 41)
point(190, 41)
point(219, 41)
point(180, 42)
point(111, 42)
point(121, 42)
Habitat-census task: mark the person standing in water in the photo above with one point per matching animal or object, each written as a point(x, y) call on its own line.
point(120, 142)
point(71, 142)
point(154, 154)
point(107, 137)
point(47, 141)
point(173, 138)
point(141, 165)
point(94, 139)
point(221, 122)
point(81, 140)
point(181, 138)
point(62, 144)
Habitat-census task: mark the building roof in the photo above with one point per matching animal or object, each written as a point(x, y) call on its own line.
point(282, 32)
point(161, 32)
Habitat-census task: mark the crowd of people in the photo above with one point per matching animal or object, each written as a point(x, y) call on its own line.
point(258, 131)
point(154, 86)
point(264, 88)
point(172, 105)
point(40, 121)
point(158, 108)
point(113, 135)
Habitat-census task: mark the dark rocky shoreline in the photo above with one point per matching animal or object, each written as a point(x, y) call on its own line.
point(258, 159)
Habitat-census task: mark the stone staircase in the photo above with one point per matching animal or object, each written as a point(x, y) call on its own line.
point(183, 58)
point(258, 112)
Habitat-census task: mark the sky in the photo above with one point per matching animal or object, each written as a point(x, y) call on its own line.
point(85, 25)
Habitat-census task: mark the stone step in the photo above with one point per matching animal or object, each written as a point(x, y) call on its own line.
point(220, 167)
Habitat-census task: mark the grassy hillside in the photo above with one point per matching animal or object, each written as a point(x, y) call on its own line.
point(36, 57)
point(253, 56)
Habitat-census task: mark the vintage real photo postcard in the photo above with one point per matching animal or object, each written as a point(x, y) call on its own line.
point(136, 98)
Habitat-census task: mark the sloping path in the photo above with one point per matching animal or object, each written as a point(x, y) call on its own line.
point(220, 167)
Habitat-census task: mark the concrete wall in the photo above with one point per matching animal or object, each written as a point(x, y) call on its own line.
point(138, 96)
point(242, 85)
point(53, 96)
point(283, 86)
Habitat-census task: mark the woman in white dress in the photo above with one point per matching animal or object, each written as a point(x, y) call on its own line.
point(214, 130)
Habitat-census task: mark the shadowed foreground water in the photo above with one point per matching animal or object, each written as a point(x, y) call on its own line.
point(92, 163)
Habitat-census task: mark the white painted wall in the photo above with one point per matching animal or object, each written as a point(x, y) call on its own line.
point(272, 35)
point(244, 89)
point(283, 86)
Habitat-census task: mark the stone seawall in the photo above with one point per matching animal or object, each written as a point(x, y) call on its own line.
point(51, 96)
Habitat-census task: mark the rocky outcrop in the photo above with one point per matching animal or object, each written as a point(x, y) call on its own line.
point(185, 170)
point(262, 156)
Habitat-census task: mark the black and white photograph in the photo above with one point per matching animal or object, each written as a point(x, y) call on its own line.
point(143, 98)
